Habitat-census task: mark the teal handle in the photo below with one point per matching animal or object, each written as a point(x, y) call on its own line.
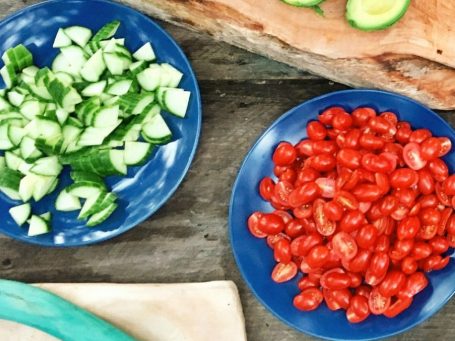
point(42, 310)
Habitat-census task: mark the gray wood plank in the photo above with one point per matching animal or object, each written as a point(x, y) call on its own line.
point(187, 239)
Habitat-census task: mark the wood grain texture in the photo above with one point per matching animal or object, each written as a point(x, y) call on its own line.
point(187, 240)
point(396, 60)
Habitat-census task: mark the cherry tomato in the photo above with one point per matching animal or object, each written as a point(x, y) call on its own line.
point(274, 238)
point(371, 142)
point(426, 182)
point(351, 221)
point(284, 154)
point(271, 223)
point(305, 148)
point(284, 272)
point(408, 228)
point(428, 201)
point(396, 308)
point(324, 147)
point(367, 192)
point(403, 135)
point(445, 216)
point(323, 162)
point(379, 125)
point(317, 256)
point(358, 309)
point(341, 121)
point(392, 283)
point(307, 282)
point(284, 215)
point(377, 302)
point(430, 216)
point(306, 175)
point(302, 212)
point(439, 244)
point(304, 194)
point(414, 284)
point(351, 139)
point(324, 226)
point(316, 131)
point(449, 185)
point(303, 244)
point(366, 238)
point(382, 244)
point(346, 200)
point(327, 116)
point(442, 196)
point(333, 211)
point(327, 187)
point(430, 148)
point(282, 191)
point(438, 169)
point(349, 158)
point(408, 265)
point(288, 175)
point(388, 205)
point(412, 156)
point(427, 232)
point(363, 290)
point(356, 279)
point(401, 249)
point(282, 251)
point(404, 178)
point(377, 268)
point(431, 263)
point(390, 117)
point(266, 188)
point(294, 229)
point(344, 245)
point(420, 135)
point(309, 299)
point(253, 225)
point(421, 250)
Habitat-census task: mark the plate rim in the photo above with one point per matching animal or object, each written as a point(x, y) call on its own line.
point(190, 160)
point(261, 136)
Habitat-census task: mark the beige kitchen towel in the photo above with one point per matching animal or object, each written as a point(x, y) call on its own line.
point(152, 312)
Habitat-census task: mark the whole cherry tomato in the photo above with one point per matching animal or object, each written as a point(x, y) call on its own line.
point(358, 309)
point(396, 308)
point(317, 256)
point(371, 142)
point(271, 224)
point(392, 283)
point(426, 182)
point(342, 121)
point(361, 261)
point(282, 251)
point(323, 162)
point(316, 131)
point(438, 169)
point(266, 188)
point(324, 147)
point(377, 268)
point(403, 178)
point(408, 265)
point(367, 192)
point(351, 221)
point(285, 154)
point(420, 135)
point(294, 229)
point(361, 116)
point(349, 158)
point(309, 299)
point(449, 185)
point(304, 194)
point(421, 250)
point(333, 211)
point(414, 284)
point(307, 282)
point(326, 117)
point(439, 244)
point(408, 228)
point(305, 148)
point(367, 236)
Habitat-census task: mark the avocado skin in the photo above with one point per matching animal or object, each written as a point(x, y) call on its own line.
point(381, 26)
point(303, 3)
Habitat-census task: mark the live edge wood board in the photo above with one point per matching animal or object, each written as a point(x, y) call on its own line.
point(414, 57)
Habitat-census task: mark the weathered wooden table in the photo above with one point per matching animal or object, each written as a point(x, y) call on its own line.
point(187, 239)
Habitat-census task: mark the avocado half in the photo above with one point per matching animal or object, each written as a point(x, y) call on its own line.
point(372, 15)
point(303, 3)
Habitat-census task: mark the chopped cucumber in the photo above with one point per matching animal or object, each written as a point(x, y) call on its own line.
point(150, 78)
point(156, 131)
point(145, 53)
point(137, 153)
point(67, 202)
point(21, 213)
point(102, 216)
point(38, 226)
point(78, 34)
point(61, 39)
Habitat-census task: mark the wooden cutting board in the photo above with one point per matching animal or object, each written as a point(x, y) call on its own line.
point(151, 312)
point(414, 57)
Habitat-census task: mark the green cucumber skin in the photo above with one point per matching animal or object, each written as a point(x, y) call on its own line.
point(302, 3)
point(45, 311)
point(383, 26)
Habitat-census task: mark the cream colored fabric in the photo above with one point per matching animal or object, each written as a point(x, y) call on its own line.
point(152, 312)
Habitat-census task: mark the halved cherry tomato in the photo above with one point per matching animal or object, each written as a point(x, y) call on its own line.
point(302, 212)
point(266, 188)
point(346, 200)
point(344, 245)
point(309, 299)
point(274, 238)
point(377, 302)
point(377, 268)
point(412, 156)
point(361, 261)
point(284, 272)
point(397, 307)
point(408, 228)
point(324, 226)
point(253, 225)
point(282, 191)
point(327, 187)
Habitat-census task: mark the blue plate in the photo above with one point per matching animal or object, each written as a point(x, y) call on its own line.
point(145, 189)
point(255, 258)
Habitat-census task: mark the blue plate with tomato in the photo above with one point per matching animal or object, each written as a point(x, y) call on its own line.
point(145, 189)
point(255, 259)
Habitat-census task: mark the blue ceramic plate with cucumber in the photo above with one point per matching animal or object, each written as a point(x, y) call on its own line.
point(100, 117)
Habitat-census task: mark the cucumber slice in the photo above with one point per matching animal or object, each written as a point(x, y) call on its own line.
point(2, 162)
point(25, 167)
point(15, 98)
point(46, 216)
point(28, 149)
point(94, 67)
point(10, 179)
point(176, 101)
point(170, 76)
point(16, 134)
point(119, 88)
point(85, 190)
point(13, 161)
point(143, 104)
point(27, 186)
point(48, 166)
point(369, 15)
point(93, 136)
point(67, 202)
point(79, 176)
point(95, 89)
point(61, 39)
point(64, 77)
point(107, 31)
point(145, 53)
point(150, 78)
point(10, 193)
point(38, 226)
point(92, 205)
point(21, 213)
point(70, 134)
point(32, 108)
point(43, 186)
point(106, 117)
point(137, 153)
point(4, 105)
point(78, 34)
point(9, 75)
point(71, 60)
point(62, 115)
point(156, 131)
point(115, 63)
point(138, 66)
point(102, 216)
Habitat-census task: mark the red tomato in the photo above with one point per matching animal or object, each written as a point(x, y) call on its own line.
point(449, 185)
point(304, 194)
point(282, 191)
point(316, 131)
point(349, 158)
point(377, 269)
point(327, 116)
point(383, 183)
point(403, 135)
point(351, 221)
point(294, 229)
point(379, 125)
point(401, 249)
point(333, 211)
point(430, 148)
point(358, 309)
point(341, 121)
point(377, 163)
point(412, 156)
point(390, 117)
point(442, 196)
point(309, 299)
point(408, 228)
point(288, 175)
point(317, 256)
point(361, 116)
point(324, 226)
point(445, 146)
point(273, 239)
point(427, 231)
point(306, 175)
point(356, 279)
point(337, 299)
point(285, 154)
point(363, 290)
point(307, 282)
point(367, 236)
point(361, 261)
point(392, 283)
point(346, 200)
point(396, 308)
point(302, 212)
point(284, 272)
point(428, 201)
point(426, 182)
point(282, 251)
point(388, 205)
point(414, 284)
point(377, 302)
point(382, 244)
point(305, 148)
point(431, 263)
point(430, 216)
point(351, 139)
point(445, 216)
point(284, 215)
point(408, 265)
point(266, 188)
point(327, 187)
point(271, 223)
point(253, 225)
point(438, 169)
point(371, 142)
point(344, 245)
point(303, 244)
point(367, 192)
point(323, 162)
point(439, 244)
point(421, 250)
point(324, 147)
point(420, 135)
point(403, 178)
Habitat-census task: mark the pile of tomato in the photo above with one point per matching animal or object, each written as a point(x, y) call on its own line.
point(363, 208)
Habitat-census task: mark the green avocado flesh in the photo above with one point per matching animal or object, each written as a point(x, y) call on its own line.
point(303, 3)
point(371, 15)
